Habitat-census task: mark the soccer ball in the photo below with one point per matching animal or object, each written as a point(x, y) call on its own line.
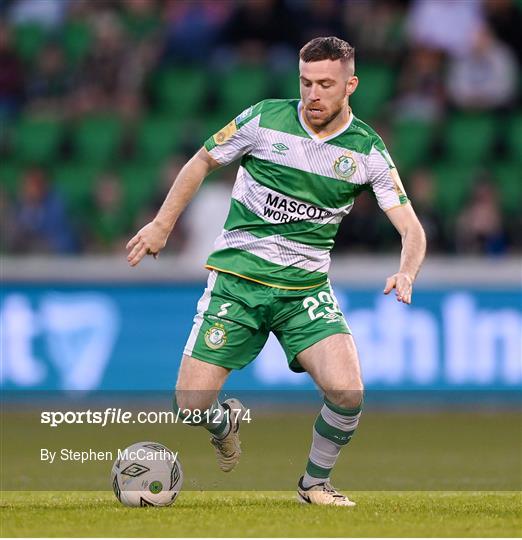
point(146, 474)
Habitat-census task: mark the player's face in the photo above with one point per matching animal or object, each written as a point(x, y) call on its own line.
point(325, 87)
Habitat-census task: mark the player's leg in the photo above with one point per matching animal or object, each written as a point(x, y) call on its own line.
point(197, 391)
point(198, 383)
point(314, 334)
point(333, 363)
point(226, 335)
point(197, 403)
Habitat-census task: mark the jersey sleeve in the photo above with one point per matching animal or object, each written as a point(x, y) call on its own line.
point(237, 138)
point(384, 178)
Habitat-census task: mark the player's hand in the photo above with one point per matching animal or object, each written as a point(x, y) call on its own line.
point(149, 240)
point(403, 285)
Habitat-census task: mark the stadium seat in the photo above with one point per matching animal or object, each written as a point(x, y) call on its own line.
point(411, 144)
point(75, 181)
point(157, 138)
point(76, 39)
point(509, 184)
point(469, 138)
point(140, 27)
point(376, 83)
point(240, 88)
point(514, 137)
point(108, 228)
point(10, 174)
point(180, 91)
point(454, 181)
point(37, 140)
point(29, 38)
point(212, 123)
point(97, 139)
point(288, 85)
point(7, 123)
point(141, 181)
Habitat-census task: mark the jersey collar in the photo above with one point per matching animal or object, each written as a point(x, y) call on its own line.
point(312, 133)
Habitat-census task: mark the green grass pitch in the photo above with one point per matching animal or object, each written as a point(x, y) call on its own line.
point(445, 473)
point(233, 514)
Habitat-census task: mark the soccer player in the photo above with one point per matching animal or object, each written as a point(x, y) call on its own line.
point(303, 163)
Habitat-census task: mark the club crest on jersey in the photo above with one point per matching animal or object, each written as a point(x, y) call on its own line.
point(345, 166)
point(216, 336)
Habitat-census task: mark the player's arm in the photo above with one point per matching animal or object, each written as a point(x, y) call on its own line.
point(413, 251)
point(236, 139)
point(152, 238)
point(391, 196)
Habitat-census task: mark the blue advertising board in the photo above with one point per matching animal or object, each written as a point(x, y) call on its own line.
point(131, 337)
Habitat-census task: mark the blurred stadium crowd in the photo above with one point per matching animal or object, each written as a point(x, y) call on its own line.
point(101, 103)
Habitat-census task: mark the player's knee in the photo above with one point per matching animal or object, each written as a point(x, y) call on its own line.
point(188, 402)
point(347, 398)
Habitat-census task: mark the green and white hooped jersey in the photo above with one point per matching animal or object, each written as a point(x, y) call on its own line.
point(292, 191)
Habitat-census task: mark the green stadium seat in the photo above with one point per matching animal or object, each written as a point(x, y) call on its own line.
point(157, 138)
point(376, 83)
point(75, 181)
point(469, 138)
point(97, 139)
point(180, 91)
point(240, 88)
point(212, 123)
point(10, 175)
point(454, 181)
point(288, 85)
point(411, 144)
point(140, 27)
point(141, 181)
point(37, 140)
point(6, 128)
point(107, 228)
point(76, 39)
point(514, 137)
point(29, 38)
point(509, 184)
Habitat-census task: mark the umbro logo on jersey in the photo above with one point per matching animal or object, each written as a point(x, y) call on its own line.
point(280, 148)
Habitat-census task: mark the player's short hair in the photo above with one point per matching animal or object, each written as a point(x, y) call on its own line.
point(328, 48)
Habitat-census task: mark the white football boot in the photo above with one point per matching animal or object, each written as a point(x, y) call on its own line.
point(323, 493)
point(228, 449)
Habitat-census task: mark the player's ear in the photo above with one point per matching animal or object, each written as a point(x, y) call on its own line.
point(351, 85)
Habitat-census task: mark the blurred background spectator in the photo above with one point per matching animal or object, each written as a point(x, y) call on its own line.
point(107, 220)
point(39, 220)
point(422, 191)
point(479, 226)
point(448, 25)
point(102, 102)
point(11, 74)
point(258, 31)
point(485, 76)
point(48, 14)
point(50, 83)
point(420, 87)
point(504, 17)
